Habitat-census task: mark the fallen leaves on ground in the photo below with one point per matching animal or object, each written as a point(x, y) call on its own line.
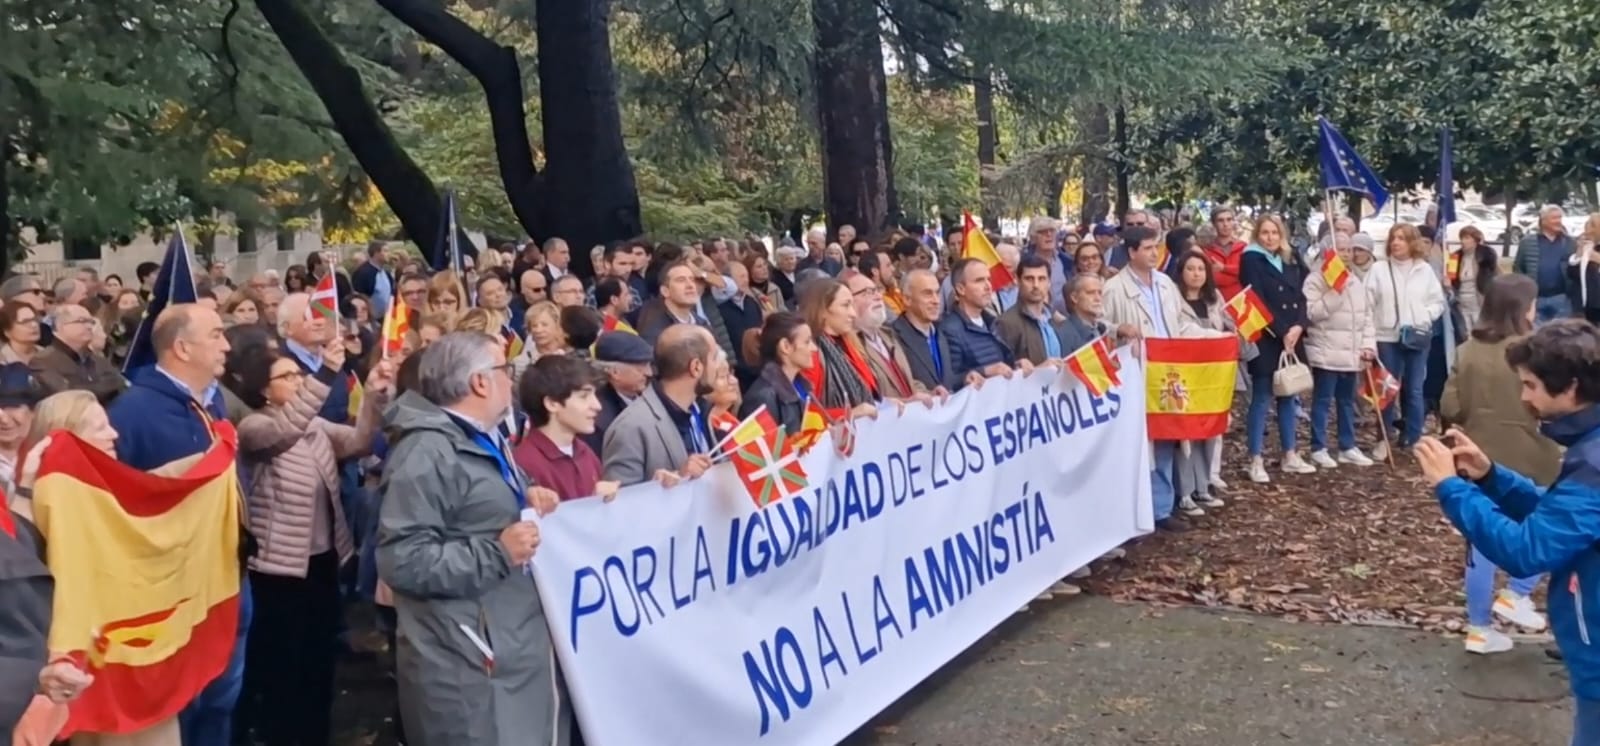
point(1358, 545)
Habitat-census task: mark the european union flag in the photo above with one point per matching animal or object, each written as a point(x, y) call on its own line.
point(447, 249)
point(1447, 182)
point(1343, 170)
point(174, 284)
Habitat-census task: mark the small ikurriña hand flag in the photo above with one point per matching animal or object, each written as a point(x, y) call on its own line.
point(324, 299)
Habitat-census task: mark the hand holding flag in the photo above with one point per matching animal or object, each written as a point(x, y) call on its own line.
point(1249, 314)
point(1334, 271)
point(1095, 365)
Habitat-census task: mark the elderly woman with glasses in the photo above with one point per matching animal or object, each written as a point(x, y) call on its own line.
point(297, 518)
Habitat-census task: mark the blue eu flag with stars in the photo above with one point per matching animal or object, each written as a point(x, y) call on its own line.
point(174, 284)
point(1343, 170)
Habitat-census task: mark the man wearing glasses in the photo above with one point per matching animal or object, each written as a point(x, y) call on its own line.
point(70, 364)
point(1117, 258)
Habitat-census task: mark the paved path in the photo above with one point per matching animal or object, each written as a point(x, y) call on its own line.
point(1093, 672)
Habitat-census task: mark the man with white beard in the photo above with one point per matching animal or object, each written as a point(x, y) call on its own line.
point(884, 356)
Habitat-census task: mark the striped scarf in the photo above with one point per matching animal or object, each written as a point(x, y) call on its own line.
point(842, 386)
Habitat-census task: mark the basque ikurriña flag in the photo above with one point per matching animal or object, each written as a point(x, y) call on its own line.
point(147, 577)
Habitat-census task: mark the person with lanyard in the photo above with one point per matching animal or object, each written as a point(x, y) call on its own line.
point(455, 535)
point(925, 347)
point(664, 434)
point(787, 351)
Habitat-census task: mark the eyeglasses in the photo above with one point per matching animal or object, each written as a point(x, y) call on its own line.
point(868, 291)
point(505, 368)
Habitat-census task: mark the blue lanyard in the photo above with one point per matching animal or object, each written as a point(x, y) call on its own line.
point(697, 431)
point(933, 350)
point(509, 473)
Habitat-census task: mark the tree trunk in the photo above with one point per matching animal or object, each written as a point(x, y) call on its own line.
point(988, 143)
point(1097, 171)
point(497, 72)
point(1124, 164)
point(6, 228)
point(591, 197)
point(853, 116)
point(405, 187)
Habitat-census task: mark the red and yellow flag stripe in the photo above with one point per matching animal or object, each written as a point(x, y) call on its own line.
point(1189, 386)
point(147, 577)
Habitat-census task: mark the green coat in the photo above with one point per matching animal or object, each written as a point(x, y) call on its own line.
point(1484, 398)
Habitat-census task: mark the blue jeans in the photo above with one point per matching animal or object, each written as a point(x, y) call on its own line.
point(1585, 722)
point(1163, 493)
point(208, 720)
point(1256, 423)
point(1480, 588)
point(1551, 307)
point(1333, 387)
point(1411, 367)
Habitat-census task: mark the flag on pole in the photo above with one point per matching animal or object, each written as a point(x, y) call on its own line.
point(1333, 271)
point(324, 299)
point(1446, 187)
point(1343, 170)
point(1379, 387)
point(976, 246)
point(447, 249)
point(152, 611)
point(1095, 365)
point(395, 325)
point(814, 423)
point(1249, 314)
point(735, 433)
point(768, 465)
point(174, 284)
point(1189, 386)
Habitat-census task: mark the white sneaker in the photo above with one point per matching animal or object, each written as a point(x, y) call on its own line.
point(1219, 485)
point(1208, 500)
point(1116, 553)
point(1293, 464)
point(1189, 508)
point(1380, 452)
point(1519, 610)
point(1354, 457)
point(1258, 471)
point(1486, 640)
point(1322, 459)
point(1080, 573)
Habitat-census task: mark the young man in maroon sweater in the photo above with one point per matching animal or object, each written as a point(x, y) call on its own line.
point(558, 394)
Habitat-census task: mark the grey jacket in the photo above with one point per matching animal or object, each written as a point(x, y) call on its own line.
point(641, 441)
point(444, 506)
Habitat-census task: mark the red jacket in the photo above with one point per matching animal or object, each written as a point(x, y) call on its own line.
point(571, 477)
point(1225, 268)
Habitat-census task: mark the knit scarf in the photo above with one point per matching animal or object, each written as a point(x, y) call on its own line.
point(842, 385)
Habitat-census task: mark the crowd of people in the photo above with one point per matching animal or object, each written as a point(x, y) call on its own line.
point(398, 475)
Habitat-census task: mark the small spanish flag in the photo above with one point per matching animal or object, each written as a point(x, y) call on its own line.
point(395, 325)
point(814, 423)
point(733, 433)
point(358, 393)
point(976, 246)
point(1333, 270)
point(1249, 314)
point(1094, 365)
point(1452, 266)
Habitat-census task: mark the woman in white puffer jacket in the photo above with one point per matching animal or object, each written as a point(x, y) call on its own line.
point(1340, 343)
point(1407, 297)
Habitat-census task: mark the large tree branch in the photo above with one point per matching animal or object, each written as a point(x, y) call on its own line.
point(497, 71)
point(404, 185)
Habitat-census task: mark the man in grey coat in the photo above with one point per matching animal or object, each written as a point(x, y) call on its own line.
point(474, 661)
point(665, 434)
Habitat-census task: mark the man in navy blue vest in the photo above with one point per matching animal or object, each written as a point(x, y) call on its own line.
point(163, 423)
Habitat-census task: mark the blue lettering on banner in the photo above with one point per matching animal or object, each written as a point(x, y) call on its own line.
point(936, 579)
point(627, 588)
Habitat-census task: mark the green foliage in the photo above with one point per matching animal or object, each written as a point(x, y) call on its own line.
point(935, 146)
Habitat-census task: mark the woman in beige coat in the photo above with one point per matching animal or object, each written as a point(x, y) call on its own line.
point(1340, 344)
point(1483, 398)
point(291, 457)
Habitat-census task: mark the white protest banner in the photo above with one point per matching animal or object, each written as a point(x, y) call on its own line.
point(689, 616)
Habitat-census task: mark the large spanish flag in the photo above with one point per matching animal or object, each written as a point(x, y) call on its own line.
point(147, 577)
point(1189, 386)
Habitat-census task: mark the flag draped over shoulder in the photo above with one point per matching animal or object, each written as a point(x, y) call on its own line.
point(147, 577)
point(1189, 386)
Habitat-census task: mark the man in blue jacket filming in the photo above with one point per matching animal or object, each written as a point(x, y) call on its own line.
point(1526, 530)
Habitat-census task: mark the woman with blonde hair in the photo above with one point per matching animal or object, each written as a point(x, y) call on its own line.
point(1583, 269)
point(76, 411)
point(1407, 298)
point(1270, 268)
point(446, 294)
point(477, 320)
point(543, 322)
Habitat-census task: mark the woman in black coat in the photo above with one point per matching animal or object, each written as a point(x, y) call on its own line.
point(1269, 267)
point(787, 348)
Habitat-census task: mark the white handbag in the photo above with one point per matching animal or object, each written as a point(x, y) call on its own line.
point(1292, 378)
